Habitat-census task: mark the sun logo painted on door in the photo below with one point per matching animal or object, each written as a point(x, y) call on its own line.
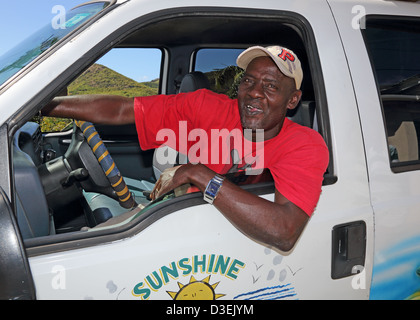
point(192, 267)
point(196, 290)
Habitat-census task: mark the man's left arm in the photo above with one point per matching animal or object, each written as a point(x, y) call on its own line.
point(277, 223)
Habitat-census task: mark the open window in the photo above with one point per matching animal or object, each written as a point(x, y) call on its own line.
point(128, 72)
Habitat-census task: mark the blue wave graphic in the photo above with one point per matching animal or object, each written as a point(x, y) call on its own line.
point(396, 271)
point(269, 293)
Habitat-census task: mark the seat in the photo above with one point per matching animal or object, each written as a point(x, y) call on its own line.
point(194, 81)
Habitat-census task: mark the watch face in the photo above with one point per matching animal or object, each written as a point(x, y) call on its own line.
point(212, 189)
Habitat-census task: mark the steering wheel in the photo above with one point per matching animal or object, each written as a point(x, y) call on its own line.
point(116, 180)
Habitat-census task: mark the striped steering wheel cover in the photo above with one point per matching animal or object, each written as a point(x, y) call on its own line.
point(111, 171)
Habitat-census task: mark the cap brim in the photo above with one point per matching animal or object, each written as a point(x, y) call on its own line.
point(250, 54)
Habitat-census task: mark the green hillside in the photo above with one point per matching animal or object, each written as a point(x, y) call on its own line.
point(99, 79)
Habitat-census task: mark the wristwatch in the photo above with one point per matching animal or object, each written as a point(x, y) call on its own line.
point(213, 188)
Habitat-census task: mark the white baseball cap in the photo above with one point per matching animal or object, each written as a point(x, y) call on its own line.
point(285, 59)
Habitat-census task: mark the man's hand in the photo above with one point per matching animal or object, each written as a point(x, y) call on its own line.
point(165, 183)
point(172, 178)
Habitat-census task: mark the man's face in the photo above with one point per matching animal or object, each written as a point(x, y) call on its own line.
point(264, 96)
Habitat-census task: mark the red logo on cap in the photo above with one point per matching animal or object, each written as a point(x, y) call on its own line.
point(286, 55)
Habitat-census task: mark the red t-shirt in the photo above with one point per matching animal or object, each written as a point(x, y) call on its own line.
point(206, 126)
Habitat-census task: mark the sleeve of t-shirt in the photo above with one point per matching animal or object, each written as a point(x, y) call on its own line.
point(158, 118)
point(299, 173)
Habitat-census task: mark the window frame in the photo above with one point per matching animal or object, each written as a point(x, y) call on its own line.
point(396, 167)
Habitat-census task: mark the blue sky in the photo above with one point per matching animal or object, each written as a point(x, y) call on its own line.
point(20, 18)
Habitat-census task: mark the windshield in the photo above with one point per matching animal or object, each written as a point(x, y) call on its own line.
point(16, 59)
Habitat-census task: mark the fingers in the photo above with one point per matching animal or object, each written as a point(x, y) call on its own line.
point(155, 192)
point(164, 184)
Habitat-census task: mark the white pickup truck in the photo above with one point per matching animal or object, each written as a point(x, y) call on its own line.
point(63, 235)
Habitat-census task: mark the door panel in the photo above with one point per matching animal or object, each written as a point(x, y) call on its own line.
point(186, 247)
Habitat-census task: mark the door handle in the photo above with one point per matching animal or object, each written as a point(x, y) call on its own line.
point(348, 248)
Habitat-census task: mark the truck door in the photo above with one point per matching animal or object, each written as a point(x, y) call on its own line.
point(15, 275)
point(383, 57)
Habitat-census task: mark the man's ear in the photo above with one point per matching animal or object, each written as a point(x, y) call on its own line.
point(294, 99)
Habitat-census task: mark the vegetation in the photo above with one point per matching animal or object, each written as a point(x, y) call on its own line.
point(49, 124)
point(226, 80)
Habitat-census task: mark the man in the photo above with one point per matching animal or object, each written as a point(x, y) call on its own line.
point(296, 156)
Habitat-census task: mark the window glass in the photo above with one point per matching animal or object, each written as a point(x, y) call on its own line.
point(128, 72)
point(219, 65)
point(394, 48)
point(20, 56)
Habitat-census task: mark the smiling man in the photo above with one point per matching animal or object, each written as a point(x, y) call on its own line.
point(296, 156)
point(266, 93)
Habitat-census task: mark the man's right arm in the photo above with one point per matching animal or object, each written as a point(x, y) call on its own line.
point(99, 109)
